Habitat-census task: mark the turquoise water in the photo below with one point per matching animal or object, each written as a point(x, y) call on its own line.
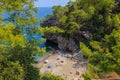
point(42, 12)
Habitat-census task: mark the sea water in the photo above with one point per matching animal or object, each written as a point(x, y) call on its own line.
point(42, 12)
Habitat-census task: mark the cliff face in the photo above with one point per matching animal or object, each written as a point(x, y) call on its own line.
point(71, 44)
point(63, 44)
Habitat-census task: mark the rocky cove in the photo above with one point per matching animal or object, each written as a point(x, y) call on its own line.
point(63, 43)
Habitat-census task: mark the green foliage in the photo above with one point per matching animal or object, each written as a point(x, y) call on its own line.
point(96, 46)
point(105, 54)
point(32, 73)
point(13, 71)
point(71, 27)
point(85, 50)
point(101, 18)
point(59, 11)
point(49, 76)
point(92, 73)
point(63, 19)
point(96, 16)
point(116, 20)
point(112, 39)
point(87, 76)
point(9, 70)
point(103, 51)
point(51, 29)
point(17, 53)
point(9, 37)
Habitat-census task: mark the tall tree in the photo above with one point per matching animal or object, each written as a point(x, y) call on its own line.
point(19, 53)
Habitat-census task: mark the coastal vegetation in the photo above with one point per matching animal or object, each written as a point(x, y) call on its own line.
point(101, 18)
point(17, 54)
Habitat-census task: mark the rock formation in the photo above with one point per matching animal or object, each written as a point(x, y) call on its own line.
point(51, 22)
point(70, 44)
point(63, 44)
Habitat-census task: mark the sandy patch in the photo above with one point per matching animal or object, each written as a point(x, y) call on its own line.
point(63, 66)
